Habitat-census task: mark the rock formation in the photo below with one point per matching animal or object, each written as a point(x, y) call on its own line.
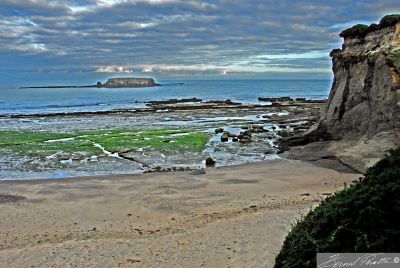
point(128, 82)
point(365, 95)
point(363, 109)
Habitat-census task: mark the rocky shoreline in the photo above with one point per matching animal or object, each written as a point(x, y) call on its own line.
point(236, 133)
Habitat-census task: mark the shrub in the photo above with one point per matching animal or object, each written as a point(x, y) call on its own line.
point(361, 30)
point(355, 31)
point(360, 218)
point(389, 20)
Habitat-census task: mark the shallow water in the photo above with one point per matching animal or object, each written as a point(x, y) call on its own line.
point(64, 165)
point(55, 100)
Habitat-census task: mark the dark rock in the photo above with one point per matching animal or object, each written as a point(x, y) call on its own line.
point(270, 151)
point(246, 133)
point(219, 130)
point(257, 129)
point(129, 82)
point(224, 137)
point(210, 162)
point(285, 99)
point(283, 133)
point(235, 139)
point(175, 101)
point(245, 140)
point(282, 148)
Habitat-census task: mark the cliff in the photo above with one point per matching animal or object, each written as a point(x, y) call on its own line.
point(363, 109)
point(365, 95)
point(128, 82)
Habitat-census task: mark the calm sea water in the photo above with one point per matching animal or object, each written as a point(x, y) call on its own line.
point(42, 101)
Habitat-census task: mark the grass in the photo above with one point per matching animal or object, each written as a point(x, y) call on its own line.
point(34, 143)
point(360, 218)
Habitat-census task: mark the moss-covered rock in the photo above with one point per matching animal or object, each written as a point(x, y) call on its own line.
point(360, 218)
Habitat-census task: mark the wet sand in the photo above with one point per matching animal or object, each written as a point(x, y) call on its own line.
point(233, 216)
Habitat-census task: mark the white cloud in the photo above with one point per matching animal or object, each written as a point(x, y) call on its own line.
point(147, 69)
point(305, 55)
point(136, 25)
point(224, 72)
point(113, 69)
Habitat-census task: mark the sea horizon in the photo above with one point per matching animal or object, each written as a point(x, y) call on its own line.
point(15, 100)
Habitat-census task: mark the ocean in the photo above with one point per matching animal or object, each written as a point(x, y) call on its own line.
point(65, 100)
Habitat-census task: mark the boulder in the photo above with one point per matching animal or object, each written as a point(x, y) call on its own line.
point(219, 130)
point(210, 162)
point(224, 137)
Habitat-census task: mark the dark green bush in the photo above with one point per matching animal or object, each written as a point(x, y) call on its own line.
point(355, 31)
point(361, 218)
point(389, 20)
point(334, 51)
point(361, 30)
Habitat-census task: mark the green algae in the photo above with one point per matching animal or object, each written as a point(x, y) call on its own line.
point(25, 137)
point(45, 144)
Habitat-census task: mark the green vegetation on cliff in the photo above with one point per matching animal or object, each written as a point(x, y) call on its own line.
point(361, 30)
point(393, 58)
point(360, 218)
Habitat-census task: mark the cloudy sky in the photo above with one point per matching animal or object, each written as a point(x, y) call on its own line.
point(68, 40)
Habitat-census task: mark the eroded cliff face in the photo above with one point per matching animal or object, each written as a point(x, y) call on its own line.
point(365, 95)
point(362, 118)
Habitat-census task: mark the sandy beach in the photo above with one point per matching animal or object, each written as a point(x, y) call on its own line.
point(232, 216)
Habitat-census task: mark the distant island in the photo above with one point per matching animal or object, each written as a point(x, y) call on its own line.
point(114, 83)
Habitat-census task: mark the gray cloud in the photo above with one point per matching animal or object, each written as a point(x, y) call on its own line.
point(173, 36)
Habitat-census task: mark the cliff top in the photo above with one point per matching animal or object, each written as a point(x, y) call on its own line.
point(361, 30)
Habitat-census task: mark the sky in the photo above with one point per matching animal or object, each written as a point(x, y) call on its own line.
point(56, 41)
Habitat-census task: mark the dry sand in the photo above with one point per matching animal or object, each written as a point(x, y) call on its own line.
point(229, 217)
